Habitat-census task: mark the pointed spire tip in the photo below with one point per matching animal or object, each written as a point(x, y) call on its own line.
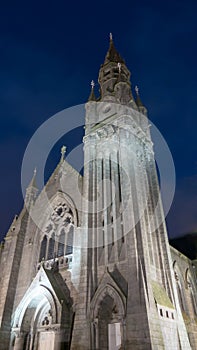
point(63, 151)
point(92, 96)
point(33, 180)
point(138, 99)
point(137, 90)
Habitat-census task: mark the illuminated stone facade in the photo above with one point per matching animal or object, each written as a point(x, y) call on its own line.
point(98, 274)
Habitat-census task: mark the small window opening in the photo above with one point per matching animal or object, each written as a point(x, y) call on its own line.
point(59, 211)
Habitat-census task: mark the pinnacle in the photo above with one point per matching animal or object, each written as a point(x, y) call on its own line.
point(138, 99)
point(92, 96)
point(33, 180)
point(63, 151)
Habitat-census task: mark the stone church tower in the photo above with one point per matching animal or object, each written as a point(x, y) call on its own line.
point(99, 274)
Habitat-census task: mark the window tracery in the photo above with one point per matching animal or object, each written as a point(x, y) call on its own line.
point(59, 231)
point(43, 249)
point(51, 247)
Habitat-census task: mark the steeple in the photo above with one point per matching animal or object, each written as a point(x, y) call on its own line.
point(139, 103)
point(31, 191)
point(92, 96)
point(114, 78)
point(112, 54)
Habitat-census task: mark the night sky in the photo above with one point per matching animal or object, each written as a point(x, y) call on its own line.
point(50, 52)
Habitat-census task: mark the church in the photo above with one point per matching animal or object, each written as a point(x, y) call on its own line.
point(98, 273)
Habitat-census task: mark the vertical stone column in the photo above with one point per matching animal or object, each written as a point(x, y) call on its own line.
point(82, 329)
point(18, 342)
point(10, 264)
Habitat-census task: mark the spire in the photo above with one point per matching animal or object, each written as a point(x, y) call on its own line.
point(139, 102)
point(33, 180)
point(31, 191)
point(114, 78)
point(112, 54)
point(138, 99)
point(92, 96)
point(63, 151)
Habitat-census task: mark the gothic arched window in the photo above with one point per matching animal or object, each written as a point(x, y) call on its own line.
point(69, 245)
point(180, 297)
point(51, 247)
point(180, 287)
point(43, 249)
point(193, 302)
point(61, 243)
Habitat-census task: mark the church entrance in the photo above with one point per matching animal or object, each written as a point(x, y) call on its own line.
point(109, 329)
point(108, 332)
point(42, 321)
point(36, 332)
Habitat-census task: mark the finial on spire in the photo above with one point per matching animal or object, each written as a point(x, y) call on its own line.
point(31, 191)
point(33, 180)
point(63, 151)
point(92, 96)
point(110, 36)
point(139, 102)
point(137, 90)
point(119, 66)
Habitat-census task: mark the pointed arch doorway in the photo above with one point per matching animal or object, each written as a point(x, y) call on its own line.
point(42, 321)
point(108, 320)
point(34, 320)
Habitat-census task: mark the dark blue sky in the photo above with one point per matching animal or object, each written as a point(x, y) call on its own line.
point(50, 51)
